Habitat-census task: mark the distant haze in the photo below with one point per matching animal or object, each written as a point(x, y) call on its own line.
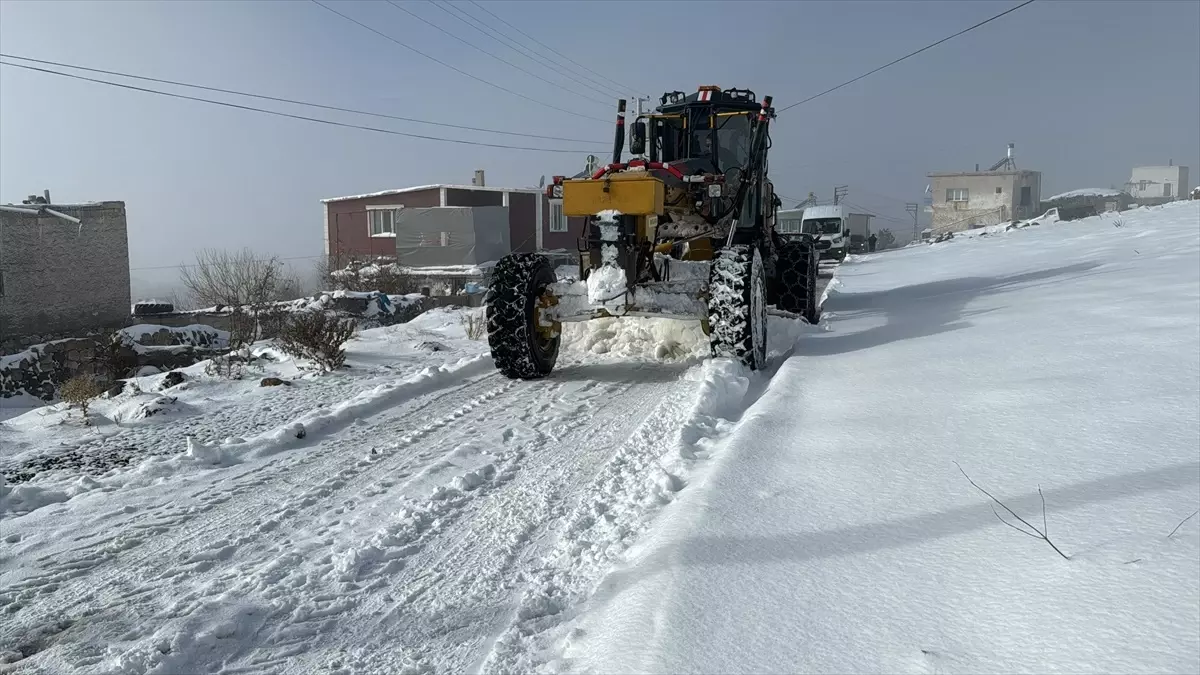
point(1085, 90)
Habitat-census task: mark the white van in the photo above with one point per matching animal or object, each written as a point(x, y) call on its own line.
point(828, 223)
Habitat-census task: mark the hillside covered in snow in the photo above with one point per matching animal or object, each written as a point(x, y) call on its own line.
point(872, 502)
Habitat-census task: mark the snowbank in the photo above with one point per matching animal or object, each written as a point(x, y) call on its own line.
point(834, 531)
point(157, 428)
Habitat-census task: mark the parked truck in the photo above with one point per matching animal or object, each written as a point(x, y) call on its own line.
point(859, 225)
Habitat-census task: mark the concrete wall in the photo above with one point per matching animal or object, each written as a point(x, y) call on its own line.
point(61, 277)
point(993, 197)
point(1156, 177)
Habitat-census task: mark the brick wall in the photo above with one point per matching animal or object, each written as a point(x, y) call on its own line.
point(60, 277)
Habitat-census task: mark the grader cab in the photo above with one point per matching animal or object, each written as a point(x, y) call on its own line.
point(685, 230)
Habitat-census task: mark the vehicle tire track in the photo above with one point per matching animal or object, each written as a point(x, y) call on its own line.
point(115, 573)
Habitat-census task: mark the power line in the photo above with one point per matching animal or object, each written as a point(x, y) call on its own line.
point(552, 49)
point(283, 114)
point(492, 33)
point(501, 60)
point(872, 213)
point(156, 267)
point(454, 68)
point(292, 101)
point(508, 43)
point(892, 63)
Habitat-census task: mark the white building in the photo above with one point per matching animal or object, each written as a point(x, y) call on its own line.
point(1157, 184)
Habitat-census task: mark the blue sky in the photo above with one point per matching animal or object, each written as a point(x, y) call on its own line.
point(1086, 90)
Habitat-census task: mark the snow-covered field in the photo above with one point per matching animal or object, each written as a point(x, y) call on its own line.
point(833, 532)
point(645, 509)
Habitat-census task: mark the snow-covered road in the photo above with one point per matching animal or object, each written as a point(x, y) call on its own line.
point(417, 520)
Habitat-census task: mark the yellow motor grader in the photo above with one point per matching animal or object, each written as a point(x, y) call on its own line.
point(686, 230)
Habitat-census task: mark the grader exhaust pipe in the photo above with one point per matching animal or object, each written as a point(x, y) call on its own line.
point(619, 141)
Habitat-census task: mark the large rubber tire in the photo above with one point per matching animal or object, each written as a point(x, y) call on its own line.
point(737, 306)
point(519, 350)
point(797, 283)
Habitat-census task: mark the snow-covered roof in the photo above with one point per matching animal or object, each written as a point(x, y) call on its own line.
point(435, 186)
point(825, 211)
point(1087, 192)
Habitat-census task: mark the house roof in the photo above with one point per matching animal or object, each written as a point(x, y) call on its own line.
point(436, 186)
point(1086, 192)
point(952, 174)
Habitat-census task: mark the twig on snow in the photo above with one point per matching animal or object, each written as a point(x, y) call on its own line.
point(1181, 524)
point(1033, 531)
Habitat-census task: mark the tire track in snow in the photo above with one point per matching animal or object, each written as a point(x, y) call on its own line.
point(441, 611)
point(78, 591)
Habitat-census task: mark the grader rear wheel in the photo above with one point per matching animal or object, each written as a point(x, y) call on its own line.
point(521, 347)
point(797, 280)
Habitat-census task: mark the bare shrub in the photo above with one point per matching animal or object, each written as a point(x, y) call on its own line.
point(318, 337)
point(1181, 524)
point(230, 366)
point(111, 359)
point(384, 275)
point(474, 325)
point(1028, 529)
point(78, 393)
point(271, 321)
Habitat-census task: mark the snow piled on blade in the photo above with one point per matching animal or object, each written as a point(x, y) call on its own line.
point(834, 532)
point(635, 337)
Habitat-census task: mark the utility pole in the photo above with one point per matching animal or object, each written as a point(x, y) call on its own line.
point(839, 193)
point(913, 209)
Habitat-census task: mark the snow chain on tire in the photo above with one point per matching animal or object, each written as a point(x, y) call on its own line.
point(737, 306)
point(519, 350)
point(797, 282)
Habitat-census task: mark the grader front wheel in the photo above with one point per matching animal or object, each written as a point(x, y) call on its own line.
point(522, 346)
point(737, 306)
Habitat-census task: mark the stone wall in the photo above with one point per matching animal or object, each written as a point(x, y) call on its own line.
point(40, 369)
point(60, 277)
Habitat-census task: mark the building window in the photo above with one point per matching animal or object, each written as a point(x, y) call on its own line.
point(558, 222)
point(957, 195)
point(1026, 195)
point(999, 191)
point(383, 222)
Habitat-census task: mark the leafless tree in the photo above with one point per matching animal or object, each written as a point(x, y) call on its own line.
point(232, 278)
